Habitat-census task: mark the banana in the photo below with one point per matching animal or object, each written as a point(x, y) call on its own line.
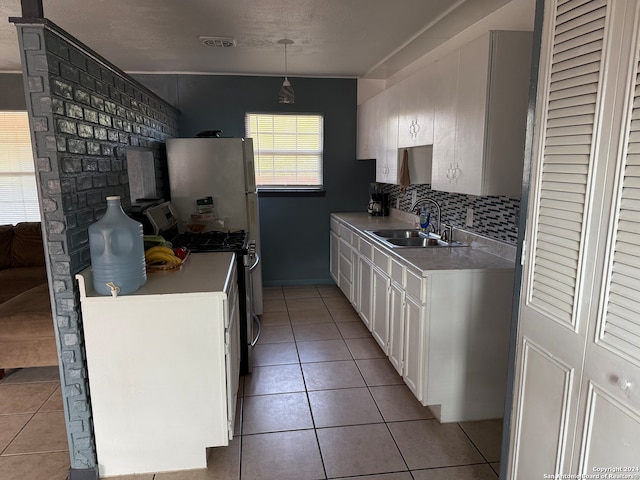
point(162, 258)
point(158, 248)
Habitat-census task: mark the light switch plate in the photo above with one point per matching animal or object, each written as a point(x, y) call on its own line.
point(414, 197)
point(469, 221)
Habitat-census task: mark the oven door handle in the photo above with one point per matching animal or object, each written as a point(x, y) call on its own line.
point(255, 264)
point(257, 320)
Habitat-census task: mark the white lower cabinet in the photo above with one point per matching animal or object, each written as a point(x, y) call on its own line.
point(334, 253)
point(445, 331)
point(380, 284)
point(396, 326)
point(363, 287)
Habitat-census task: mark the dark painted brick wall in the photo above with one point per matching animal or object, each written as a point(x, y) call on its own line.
point(84, 113)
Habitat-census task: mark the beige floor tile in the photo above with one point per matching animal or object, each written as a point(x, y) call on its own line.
point(300, 291)
point(141, 476)
point(306, 332)
point(43, 466)
point(344, 315)
point(471, 472)
point(397, 403)
point(328, 375)
point(223, 463)
point(269, 293)
point(429, 444)
point(338, 303)
point(274, 305)
point(384, 476)
point(316, 315)
point(281, 456)
point(362, 348)
point(275, 354)
point(54, 403)
point(275, 318)
point(276, 413)
point(379, 371)
point(45, 432)
point(486, 436)
point(24, 397)
point(359, 450)
point(496, 467)
point(34, 374)
point(305, 304)
point(353, 329)
point(349, 406)
point(275, 334)
point(323, 351)
point(273, 379)
point(329, 291)
point(10, 425)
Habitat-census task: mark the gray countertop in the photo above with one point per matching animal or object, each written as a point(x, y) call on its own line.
point(476, 256)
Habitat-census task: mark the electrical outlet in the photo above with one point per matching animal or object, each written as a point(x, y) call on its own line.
point(414, 196)
point(398, 203)
point(469, 221)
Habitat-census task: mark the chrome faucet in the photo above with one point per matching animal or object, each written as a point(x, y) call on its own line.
point(437, 230)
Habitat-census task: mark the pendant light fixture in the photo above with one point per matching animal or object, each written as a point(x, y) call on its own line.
point(286, 94)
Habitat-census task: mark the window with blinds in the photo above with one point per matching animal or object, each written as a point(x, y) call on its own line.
point(18, 189)
point(287, 150)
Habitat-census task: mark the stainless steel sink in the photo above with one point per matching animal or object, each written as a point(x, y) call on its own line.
point(403, 233)
point(411, 238)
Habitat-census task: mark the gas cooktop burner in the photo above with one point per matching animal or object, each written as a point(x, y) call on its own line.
point(213, 241)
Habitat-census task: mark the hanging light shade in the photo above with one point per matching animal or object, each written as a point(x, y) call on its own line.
point(286, 94)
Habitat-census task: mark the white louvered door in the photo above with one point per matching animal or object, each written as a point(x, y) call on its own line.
point(579, 322)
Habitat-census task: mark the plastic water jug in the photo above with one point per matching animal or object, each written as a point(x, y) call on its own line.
point(116, 244)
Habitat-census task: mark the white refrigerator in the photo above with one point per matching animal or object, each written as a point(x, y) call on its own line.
point(222, 168)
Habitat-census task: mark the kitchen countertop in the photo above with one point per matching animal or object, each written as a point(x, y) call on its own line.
point(474, 257)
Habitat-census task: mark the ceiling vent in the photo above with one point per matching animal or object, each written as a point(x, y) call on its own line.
point(221, 42)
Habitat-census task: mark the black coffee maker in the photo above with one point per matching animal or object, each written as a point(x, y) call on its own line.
point(378, 201)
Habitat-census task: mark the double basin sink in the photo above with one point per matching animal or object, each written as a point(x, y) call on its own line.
point(411, 238)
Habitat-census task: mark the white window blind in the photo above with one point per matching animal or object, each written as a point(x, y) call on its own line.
point(287, 149)
point(18, 189)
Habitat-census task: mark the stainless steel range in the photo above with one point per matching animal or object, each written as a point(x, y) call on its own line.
point(163, 219)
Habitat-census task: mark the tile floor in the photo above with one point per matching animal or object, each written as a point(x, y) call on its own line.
point(322, 402)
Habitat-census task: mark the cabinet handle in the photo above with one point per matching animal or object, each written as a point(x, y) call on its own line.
point(414, 128)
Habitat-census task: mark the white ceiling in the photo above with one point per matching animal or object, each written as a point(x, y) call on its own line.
point(370, 39)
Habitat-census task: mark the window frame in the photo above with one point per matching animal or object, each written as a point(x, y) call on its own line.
point(289, 190)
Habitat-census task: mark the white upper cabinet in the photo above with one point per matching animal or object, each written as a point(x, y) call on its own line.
point(481, 94)
point(415, 110)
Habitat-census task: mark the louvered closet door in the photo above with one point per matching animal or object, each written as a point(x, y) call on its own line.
point(557, 282)
point(610, 400)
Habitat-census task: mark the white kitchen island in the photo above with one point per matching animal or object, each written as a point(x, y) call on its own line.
point(163, 366)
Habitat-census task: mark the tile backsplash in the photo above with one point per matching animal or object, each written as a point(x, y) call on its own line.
point(494, 217)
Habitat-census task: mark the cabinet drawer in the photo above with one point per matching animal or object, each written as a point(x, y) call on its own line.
point(334, 225)
point(415, 286)
point(397, 272)
point(345, 233)
point(365, 249)
point(381, 260)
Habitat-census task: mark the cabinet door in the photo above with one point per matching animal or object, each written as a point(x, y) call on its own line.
point(415, 110)
point(334, 254)
point(346, 269)
point(414, 346)
point(366, 131)
point(444, 122)
point(387, 160)
point(380, 309)
point(473, 85)
point(396, 326)
point(364, 290)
